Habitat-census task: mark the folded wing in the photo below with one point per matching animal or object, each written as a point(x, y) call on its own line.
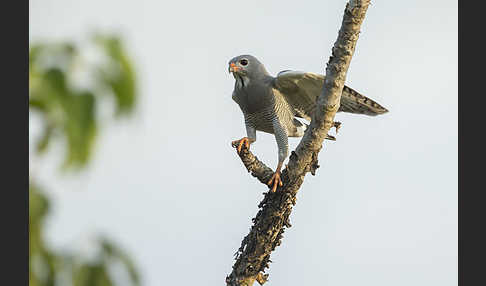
point(301, 90)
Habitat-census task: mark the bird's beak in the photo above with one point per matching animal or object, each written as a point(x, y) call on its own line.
point(233, 68)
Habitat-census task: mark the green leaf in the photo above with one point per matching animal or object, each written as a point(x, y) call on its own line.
point(80, 128)
point(91, 275)
point(119, 74)
point(41, 261)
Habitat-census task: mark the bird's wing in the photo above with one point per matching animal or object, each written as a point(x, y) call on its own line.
point(301, 90)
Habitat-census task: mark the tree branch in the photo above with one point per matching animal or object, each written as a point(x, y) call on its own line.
point(258, 169)
point(269, 224)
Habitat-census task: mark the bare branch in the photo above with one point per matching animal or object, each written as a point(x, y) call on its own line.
point(253, 165)
point(269, 224)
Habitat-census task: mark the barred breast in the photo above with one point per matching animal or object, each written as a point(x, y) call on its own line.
point(261, 120)
point(279, 110)
point(286, 116)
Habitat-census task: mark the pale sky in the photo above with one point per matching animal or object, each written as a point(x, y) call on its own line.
point(382, 209)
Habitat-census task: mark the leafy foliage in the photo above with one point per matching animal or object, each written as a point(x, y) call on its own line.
point(48, 267)
point(70, 112)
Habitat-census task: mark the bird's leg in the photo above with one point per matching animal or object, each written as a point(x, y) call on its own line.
point(276, 180)
point(245, 140)
point(281, 136)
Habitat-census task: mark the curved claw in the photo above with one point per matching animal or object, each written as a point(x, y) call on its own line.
point(275, 180)
point(240, 143)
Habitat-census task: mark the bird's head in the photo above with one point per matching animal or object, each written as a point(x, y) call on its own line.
point(246, 66)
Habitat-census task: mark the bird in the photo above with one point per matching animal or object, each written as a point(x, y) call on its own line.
point(274, 104)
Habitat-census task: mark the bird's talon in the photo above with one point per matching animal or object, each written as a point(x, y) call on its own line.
point(240, 143)
point(275, 181)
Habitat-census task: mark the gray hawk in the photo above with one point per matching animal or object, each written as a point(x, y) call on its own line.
point(272, 104)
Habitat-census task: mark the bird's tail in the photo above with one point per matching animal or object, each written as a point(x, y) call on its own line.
point(354, 102)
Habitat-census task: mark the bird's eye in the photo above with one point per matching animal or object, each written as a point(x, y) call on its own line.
point(244, 62)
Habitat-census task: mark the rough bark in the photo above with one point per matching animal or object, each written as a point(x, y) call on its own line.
point(273, 216)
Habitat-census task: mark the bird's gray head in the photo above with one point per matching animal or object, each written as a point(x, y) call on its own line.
point(247, 66)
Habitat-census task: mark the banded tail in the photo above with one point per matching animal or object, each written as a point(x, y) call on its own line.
point(354, 102)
